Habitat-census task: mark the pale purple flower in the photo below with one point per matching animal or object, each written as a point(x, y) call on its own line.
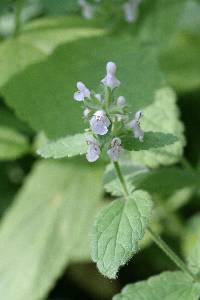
point(135, 125)
point(93, 151)
point(110, 80)
point(121, 101)
point(82, 93)
point(87, 9)
point(131, 10)
point(99, 122)
point(115, 149)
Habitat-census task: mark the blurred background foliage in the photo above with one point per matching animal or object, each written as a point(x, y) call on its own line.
point(47, 208)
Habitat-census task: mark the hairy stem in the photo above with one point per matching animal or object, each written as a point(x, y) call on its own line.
point(121, 178)
point(156, 238)
point(170, 253)
point(18, 9)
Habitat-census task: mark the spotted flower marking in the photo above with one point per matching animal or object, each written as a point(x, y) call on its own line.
point(93, 151)
point(115, 149)
point(99, 123)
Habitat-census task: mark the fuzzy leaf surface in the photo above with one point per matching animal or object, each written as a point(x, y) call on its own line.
point(118, 229)
point(152, 140)
point(167, 285)
point(65, 147)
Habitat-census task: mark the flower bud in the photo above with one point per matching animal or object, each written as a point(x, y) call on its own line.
point(110, 80)
point(121, 101)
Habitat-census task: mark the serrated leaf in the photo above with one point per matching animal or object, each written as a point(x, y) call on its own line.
point(51, 107)
point(12, 144)
point(152, 140)
point(167, 285)
point(162, 115)
point(49, 221)
point(65, 147)
point(118, 229)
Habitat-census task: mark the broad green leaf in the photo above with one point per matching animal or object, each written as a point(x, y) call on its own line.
point(190, 20)
point(191, 243)
point(156, 27)
point(167, 285)
point(163, 181)
point(118, 229)
point(180, 62)
point(163, 116)
point(59, 6)
point(50, 107)
point(12, 144)
point(152, 140)
point(65, 147)
point(49, 220)
point(37, 41)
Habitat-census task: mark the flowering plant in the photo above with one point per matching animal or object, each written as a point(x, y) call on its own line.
point(121, 225)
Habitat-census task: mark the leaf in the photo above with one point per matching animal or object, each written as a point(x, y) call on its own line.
point(37, 41)
point(50, 219)
point(162, 115)
point(191, 243)
point(65, 147)
point(118, 229)
point(12, 144)
point(51, 107)
point(156, 27)
point(167, 285)
point(59, 6)
point(163, 181)
point(181, 64)
point(151, 140)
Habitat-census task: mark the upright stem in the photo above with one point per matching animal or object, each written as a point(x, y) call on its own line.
point(170, 253)
point(156, 238)
point(121, 178)
point(18, 9)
